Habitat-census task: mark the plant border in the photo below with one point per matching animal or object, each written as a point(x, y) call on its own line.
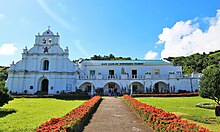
point(159, 119)
point(73, 121)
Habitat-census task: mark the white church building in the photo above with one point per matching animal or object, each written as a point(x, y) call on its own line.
point(46, 68)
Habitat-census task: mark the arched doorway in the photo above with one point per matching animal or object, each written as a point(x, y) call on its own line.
point(138, 88)
point(112, 86)
point(44, 85)
point(86, 87)
point(161, 87)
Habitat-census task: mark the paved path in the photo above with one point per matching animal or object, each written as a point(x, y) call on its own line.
point(113, 115)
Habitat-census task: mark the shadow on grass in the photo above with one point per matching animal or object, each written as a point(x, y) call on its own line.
point(4, 112)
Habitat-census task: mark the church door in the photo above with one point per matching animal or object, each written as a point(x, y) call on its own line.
point(44, 85)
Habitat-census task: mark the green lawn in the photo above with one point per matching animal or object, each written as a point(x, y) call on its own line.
point(30, 113)
point(185, 106)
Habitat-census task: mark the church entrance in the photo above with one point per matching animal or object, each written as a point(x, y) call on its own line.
point(44, 85)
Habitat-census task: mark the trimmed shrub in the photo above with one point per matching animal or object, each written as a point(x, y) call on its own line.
point(79, 91)
point(74, 120)
point(72, 96)
point(4, 97)
point(160, 120)
point(65, 96)
point(167, 95)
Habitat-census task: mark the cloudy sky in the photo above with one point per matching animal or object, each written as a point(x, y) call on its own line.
point(143, 29)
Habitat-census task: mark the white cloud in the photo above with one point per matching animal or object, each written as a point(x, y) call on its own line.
point(186, 38)
point(210, 20)
point(151, 55)
point(8, 49)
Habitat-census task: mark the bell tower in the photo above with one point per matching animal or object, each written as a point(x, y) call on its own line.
point(47, 38)
point(47, 44)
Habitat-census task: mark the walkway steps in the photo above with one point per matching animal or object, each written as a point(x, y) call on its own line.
point(114, 115)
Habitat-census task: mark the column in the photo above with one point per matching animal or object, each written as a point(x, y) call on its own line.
point(131, 89)
point(145, 87)
point(121, 89)
point(91, 89)
point(191, 86)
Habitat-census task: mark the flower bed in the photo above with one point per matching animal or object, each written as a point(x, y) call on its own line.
point(74, 120)
point(160, 120)
point(167, 95)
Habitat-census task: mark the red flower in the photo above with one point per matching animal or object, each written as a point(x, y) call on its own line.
point(159, 119)
point(70, 119)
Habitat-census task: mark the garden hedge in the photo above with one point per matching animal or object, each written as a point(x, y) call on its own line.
point(160, 120)
point(73, 121)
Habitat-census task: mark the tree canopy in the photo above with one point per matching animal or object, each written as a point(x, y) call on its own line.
point(106, 57)
point(3, 73)
point(196, 62)
point(210, 83)
point(4, 96)
point(109, 57)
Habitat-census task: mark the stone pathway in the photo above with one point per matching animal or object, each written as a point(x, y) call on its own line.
point(114, 115)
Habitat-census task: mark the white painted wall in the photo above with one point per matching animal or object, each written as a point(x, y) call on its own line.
point(63, 73)
point(29, 71)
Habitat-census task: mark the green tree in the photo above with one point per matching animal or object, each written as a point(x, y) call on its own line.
point(196, 62)
point(210, 83)
point(4, 96)
point(109, 57)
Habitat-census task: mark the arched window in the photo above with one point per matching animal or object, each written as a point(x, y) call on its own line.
point(46, 65)
point(50, 41)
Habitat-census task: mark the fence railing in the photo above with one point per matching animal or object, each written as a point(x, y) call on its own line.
point(116, 77)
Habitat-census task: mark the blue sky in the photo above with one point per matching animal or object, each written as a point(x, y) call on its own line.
point(143, 29)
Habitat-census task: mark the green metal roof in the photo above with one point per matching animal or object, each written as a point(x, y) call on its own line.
point(121, 62)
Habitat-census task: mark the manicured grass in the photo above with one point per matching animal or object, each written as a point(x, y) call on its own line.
point(32, 112)
point(185, 106)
